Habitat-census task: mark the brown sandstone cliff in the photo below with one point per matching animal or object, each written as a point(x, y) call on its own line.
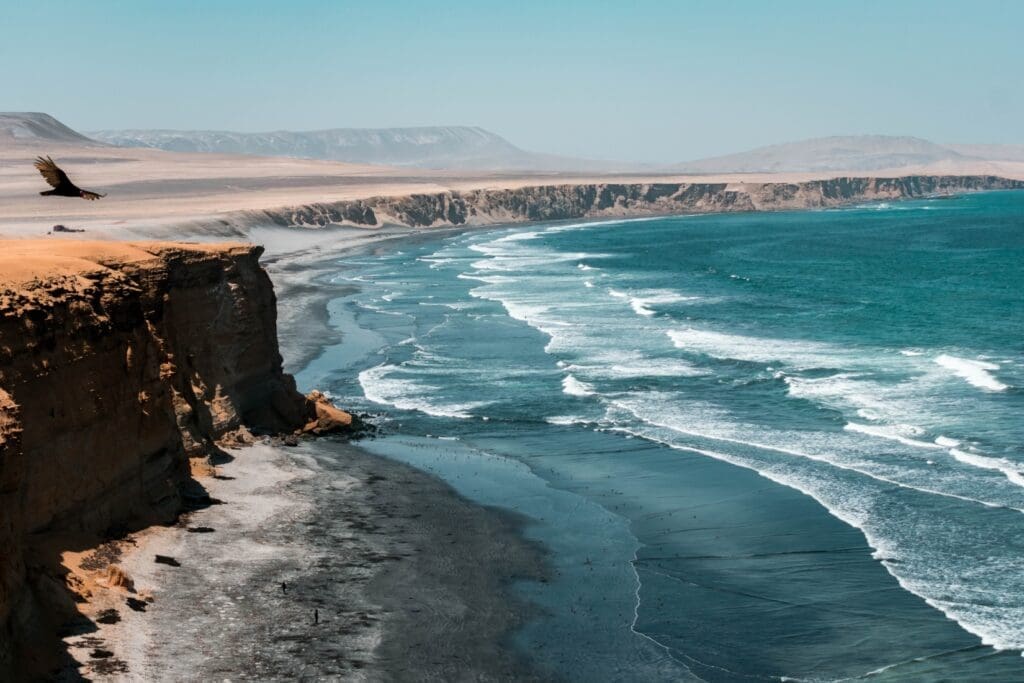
point(118, 364)
point(560, 202)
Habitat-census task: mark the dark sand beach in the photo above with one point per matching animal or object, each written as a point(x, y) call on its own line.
point(498, 552)
point(324, 562)
point(420, 342)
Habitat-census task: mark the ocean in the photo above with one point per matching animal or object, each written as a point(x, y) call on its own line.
point(766, 446)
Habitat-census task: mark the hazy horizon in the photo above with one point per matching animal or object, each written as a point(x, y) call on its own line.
point(639, 81)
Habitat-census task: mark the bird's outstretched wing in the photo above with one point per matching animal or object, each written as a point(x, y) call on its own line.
point(51, 172)
point(91, 196)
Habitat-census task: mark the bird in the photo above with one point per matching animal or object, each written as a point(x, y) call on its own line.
point(59, 181)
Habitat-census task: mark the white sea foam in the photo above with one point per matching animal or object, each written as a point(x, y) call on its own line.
point(503, 260)
point(459, 305)
point(526, 313)
point(517, 237)
point(377, 309)
point(564, 420)
point(758, 349)
point(504, 249)
point(489, 279)
point(627, 364)
point(655, 367)
point(434, 262)
point(919, 567)
point(574, 387)
point(407, 394)
point(642, 305)
point(975, 372)
point(868, 414)
point(884, 388)
point(1010, 470)
point(998, 627)
point(893, 433)
point(709, 423)
point(874, 398)
point(641, 302)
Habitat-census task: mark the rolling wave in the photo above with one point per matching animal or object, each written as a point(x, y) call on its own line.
point(866, 430)
point(975, 372)
point(574, 387)
point(381, 387)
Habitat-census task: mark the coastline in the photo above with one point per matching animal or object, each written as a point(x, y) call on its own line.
point(356, 537)
point(384, 343)
point(305, 330)
point(167, 195)
point(406, 538)
point(858, 570)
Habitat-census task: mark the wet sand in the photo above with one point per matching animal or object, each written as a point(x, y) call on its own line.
point(408, 579)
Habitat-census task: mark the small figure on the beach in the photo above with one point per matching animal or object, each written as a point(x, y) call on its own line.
point(284, 587)
point(316, 616)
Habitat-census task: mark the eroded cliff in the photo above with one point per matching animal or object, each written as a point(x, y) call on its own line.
point(120, 365)
point(560, 202)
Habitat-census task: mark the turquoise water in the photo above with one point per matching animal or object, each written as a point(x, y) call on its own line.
point(759, 446)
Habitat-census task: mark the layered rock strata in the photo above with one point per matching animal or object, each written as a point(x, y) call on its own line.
point(562, 202)
point(120, 366)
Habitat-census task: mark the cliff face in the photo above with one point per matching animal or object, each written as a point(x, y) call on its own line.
point(560, 202)
point(119, 363)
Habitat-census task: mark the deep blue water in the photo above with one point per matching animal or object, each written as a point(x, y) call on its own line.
point(759, 446)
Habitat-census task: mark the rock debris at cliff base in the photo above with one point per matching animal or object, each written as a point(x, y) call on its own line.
point(124, 369)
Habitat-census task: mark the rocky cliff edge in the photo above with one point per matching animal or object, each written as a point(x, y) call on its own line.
point(616, 200)
point(122, 367)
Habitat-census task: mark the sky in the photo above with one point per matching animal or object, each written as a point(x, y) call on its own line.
point(656, 81)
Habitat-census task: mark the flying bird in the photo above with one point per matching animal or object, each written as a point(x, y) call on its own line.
point(59, 181)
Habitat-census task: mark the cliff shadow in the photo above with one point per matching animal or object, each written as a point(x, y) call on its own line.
point(76, 583)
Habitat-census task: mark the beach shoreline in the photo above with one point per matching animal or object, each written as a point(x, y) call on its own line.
point(320, 560)
point(303, 291)
point(854, 576)
point(413, 540)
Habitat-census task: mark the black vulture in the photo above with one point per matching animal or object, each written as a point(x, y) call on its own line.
point(59, 181)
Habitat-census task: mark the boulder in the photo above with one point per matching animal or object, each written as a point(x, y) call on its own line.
point(323, 417)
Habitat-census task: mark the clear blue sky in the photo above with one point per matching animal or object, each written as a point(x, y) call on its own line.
point(636, 80)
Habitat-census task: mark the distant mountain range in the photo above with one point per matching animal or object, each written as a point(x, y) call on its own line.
point(991, 152)
point(441, 147)
point(853, 153)
point(476, 149)
point(28, 126)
